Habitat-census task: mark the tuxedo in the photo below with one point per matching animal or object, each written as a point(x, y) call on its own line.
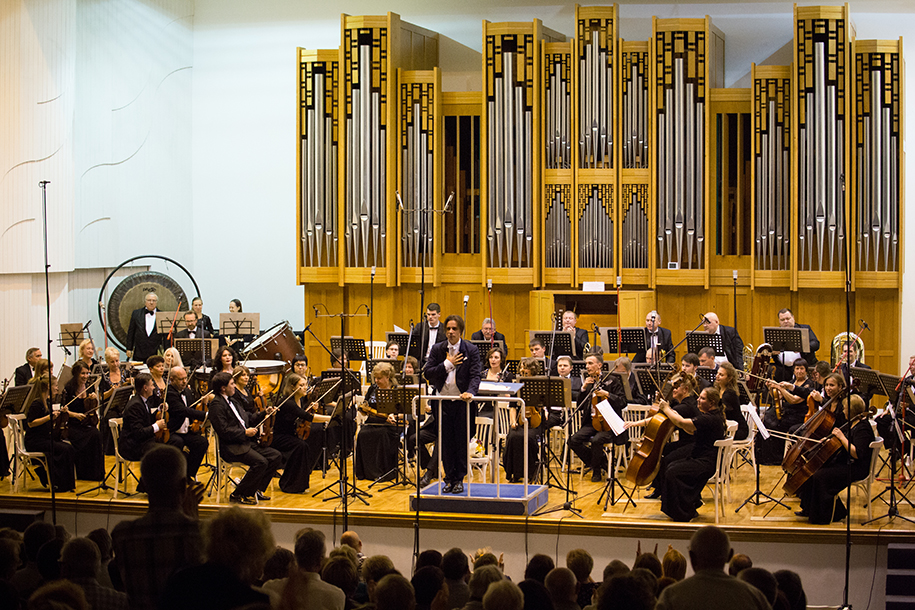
point(665, 343)
point(141, 344)
point(199, 333)
point(23, 374)
point(733, 345)
point(478, 336)
point(581, 339)
point(193, 444)
point(454, 441)
point(236, 446)
point(587, 442)
point(137, 433)
point(425, 334)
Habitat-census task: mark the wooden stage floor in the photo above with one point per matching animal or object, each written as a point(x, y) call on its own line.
point(391, 509)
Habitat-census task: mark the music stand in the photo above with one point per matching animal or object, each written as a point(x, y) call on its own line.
point(484, 346)
point(400, 402)
point(577, 367)
point(788, 339)
point(645, 377)
point(407, 379)
point(338, 374)
point(401, 340)
point(543, 393)
point(625, 383)
point(697, 339)
point(71, 335)
point(371, 363)
point(118, 400)
point(164, 321)
point(563, 341)
point(66, 373)
point(15, 398)
point(627, 340)
point(512, 367)
point(237, 325)
point(353, 349)
point(191, 350)
point(707, 373)
point(746, 398)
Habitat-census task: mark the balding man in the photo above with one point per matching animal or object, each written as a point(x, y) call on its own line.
point(180, 398)
point(710, 588)
point(657, 337)
point(487, 332)
point(730, 340)
point(142, 335)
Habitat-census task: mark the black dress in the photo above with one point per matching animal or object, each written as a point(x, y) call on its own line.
point(682, 483)
point(818, 492)
point(296, 455)
point(771, 451)
point(86, 440)
point(376, 445)
point(38, 439)
point(244, 401)
point(513, 458)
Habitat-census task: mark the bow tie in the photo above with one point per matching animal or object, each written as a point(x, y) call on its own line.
point(150, 313)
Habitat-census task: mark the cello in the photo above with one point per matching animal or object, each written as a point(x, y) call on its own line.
point(811, 432)
point(646, 460)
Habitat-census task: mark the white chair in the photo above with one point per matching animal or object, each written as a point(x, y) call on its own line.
point(121, 463)
point(722, 468)
point(224, 472)
point(505, 424)
point(376, 349)
point(743, 449)
point(483, 434)
point(634, 413)
point(864, 485)
point(24, 461)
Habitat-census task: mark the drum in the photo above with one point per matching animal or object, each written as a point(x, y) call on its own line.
point(269, 373)
point(277, 340)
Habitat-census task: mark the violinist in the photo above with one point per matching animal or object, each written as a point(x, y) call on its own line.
point(392, 350)
point(87, 353)
point(428, 430)
point(243, 398)
point(820, 491)
point(379, 436)
point(156, 365)
point(901, 412)
point(82, 404)
point(622, 366)
point(726, 384)
point(298, 453)
point(38, 436)
point(172, 358)
point(690, 468)
point(113, 377)
point(142, 420)
point(513, 457)
point(608, 388)
point(496, 371)
point(410, 368)
point(180, 399)
point(236, 430)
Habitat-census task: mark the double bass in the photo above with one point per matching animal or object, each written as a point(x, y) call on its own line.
point(812, 433)
point(646, 460)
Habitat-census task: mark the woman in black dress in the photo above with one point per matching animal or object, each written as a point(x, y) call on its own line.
point(513, 460)
point(87, 353)
point(243, 397)
point(726, 384)
point(298, 459)
point(156, 366)
point(38, 433)
point(225, 361)
point(681, 485)
point(820, 490)
point(82, 404)
point(379, 436)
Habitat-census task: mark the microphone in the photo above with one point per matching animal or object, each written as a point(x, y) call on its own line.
point(705, 319)
point(864, 325)
point(489, 285)
point(466, 299)
point(43, 183)
point(307, 328)
point(373, 271)
point(399, 200)
point(447, 207)
point(315, 307)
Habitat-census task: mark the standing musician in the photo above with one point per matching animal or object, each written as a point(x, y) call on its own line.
point(113, 377)
point(487, 332)
point(726, 384)
point(513, 457)
point(784, 361)
point(379, 435)
point(569, 322)
point(688, 364)
point(730, 340)
point(681, 483)
point(658, 337)
point(610, 389)
point(87, 353)
point(203, 320)
point(453, 368)
point(299, 455)
point(236, 430)
point(180, 398)
point(27, 370)
point(431, 331)
point(142, 420)
point(142, 336)
point(38, 436)
point(83, 404)
point(819, 492)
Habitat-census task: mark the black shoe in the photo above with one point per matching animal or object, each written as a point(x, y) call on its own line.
point(448, 487)
point(654, 495)
point(426, 480)
point(260, 496)
point(457, 488)
point(801, 513)
point(597, 476)
point(237, 499)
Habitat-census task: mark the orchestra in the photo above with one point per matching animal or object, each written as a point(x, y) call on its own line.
point(289, 428)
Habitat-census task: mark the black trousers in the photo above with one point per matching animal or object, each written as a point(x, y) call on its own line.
point(454, 438)
point(262, 463)
point(193, 445)
point(426, 435)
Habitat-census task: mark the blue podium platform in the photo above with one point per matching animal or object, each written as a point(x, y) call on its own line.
point(481, 499)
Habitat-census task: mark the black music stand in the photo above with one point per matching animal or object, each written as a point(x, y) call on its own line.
point(545, 393)
point(612, 480)
point(403, 379)
point(788, 339)
point(352, 349)
point(563, 341)
point(627, 340)
point(355, 377)
point(697, 339)
point(371, 363)
point(15, 398)
point(577, 367)
point(401, 339)
point(707, 373)
point(484, 346)
point(400, 402)
point(512, 366)
point(745, 397)
point(651, 378)
point(197, 351)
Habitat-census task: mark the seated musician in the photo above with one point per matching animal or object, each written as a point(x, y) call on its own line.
point(244, 397)
point(726, 384)
point(784, 361)
point(513, 457)
point(569, 322)
point(142, 420)
point(487, 332)
point(588, 442)
point(114, 375)
point(849, 358)
point(181, 401)
point(392, 350)
point(172, 358)
point(300, 365)
point(156, 365)
point(901, 411)
point(38, 436)
point(237, 431)
point(428, 432)
point(83, 404)
point(690, 468)
point(564, 368)
point(622, 366)
point(379, 435)
point(851, 462)
point(225, 361)
point(707, 358)
point(299, 454)
point(495, 371)
point(410, 366)
point(193, 328)
point(658, 337)
point(87, 353)
point(688, 364)
point(538, 351)
point(27, 371)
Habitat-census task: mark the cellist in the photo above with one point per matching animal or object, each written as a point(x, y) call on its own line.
point(850, 463)
point(787, 413)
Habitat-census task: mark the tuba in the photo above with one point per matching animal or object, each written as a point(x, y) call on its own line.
point(838, 342)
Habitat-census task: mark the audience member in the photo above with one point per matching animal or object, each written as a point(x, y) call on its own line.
point(429, 557)
point(307, 588)
point(49, 559)
point(27, 579)
point(427, 582)
point(487, 559)
point(536, 596)
point(80, 563)
point(60, 595)
point(9, 558)
point(394, 592)
point(563, 589)
point(626, 592)
point(790, 584)
point(456, 567)
point(650, 562)
point(150, 549)
point(738, 563)
point(646, 576)
point(278, 565)
point(673, 565)
point(479, 583)
point(351, 539)
point(102, 540)
point(614, 568)
point(503, 595)
point(581, 563)
point(710, 587)
point(538, 567)
point(340, 571)
point(763, 580)
point(374, 568)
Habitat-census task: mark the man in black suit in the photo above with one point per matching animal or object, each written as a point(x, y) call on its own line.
point(142, 335)
point(193, 329)
point(140, 422)
point(454, 368)
point(27, 370)
point(569, 321)
point(488, 332)
point(179, 398)
point(784, 361)
point(849, 357)
point(236, 431)
point(564, 370)
point(202, 318)
point(538, 351)
point(430, 332)
point(730, 340)
point(656, 336)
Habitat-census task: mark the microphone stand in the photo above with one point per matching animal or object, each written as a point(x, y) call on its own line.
point(47, 290)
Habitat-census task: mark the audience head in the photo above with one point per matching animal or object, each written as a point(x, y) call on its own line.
point(80, 558)
point(538, 567)
point(163, 471)
point(427, 582)
point(626, 592)
point(49, 559)
point(673, 565)
point(763, 580)
point(503, 595)
point(394, 592)
point(790, 584)
point(429, 557)
point(310, 549)
point(562, 585)
point(9, 558)
point(481, 579)
point(347, 552)
point(581, 563)
point(102, 540)
point(375, 568)
point(455, 564)
point(709, 549)
point(738, 563)
point(240, 540)
point(341, 572)
point(614, 568)
point(650, 562)
point(35, 536)
point(647, 576)
point(485, 559)
point(536, 597)
point(59, 595)
point(279, 564)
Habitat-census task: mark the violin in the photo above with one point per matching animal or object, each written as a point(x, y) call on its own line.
point(533, 416)
point(200, 405)
point(92, 404)
point(164, 434)
point(646, 461)
point(265, 428)
point(61, 428)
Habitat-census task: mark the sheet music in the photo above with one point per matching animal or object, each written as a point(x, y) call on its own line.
point(760, 426)
point(398, 329)
point(615, 422)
